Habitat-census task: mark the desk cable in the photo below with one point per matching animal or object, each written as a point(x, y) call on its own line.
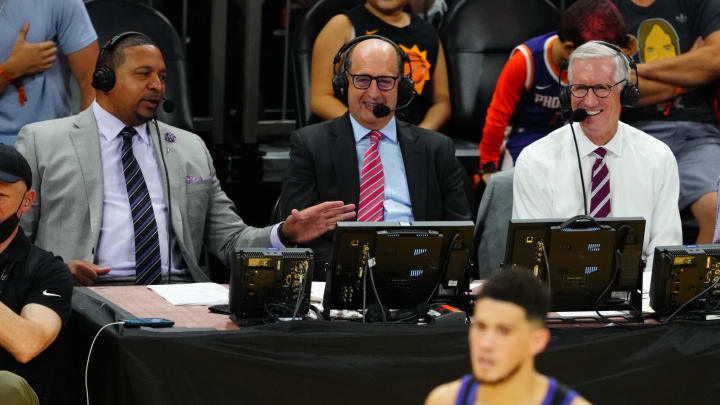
point(87, 395)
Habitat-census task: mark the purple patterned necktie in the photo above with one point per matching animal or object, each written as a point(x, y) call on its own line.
point(147, 244)
point(600, 186)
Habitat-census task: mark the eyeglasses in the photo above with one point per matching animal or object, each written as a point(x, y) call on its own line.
point(363, 82)
point(600, 90)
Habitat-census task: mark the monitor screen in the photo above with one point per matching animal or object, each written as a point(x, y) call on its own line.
point(583, 259)
point(411, 262)
point(680, 273)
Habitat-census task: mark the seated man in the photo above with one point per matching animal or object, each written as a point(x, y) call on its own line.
point(102, 200)
point(676, 46)
point(624, 171)
point(392, 170)
point(526, 94)
point(508, 331)
point(431, 108)
point(36, 289)
point(42, 45)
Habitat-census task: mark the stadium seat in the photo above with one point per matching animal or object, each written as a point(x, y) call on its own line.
point(307, 29)
point(111, 17)
point(478, 36)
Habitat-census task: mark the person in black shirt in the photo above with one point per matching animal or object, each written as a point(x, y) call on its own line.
point(675, 44)
point(430, 108)
point(35, 293)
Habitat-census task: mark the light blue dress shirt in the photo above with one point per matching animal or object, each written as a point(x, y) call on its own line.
point(397, 206)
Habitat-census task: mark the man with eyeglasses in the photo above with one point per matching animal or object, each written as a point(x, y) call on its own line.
point(625, 171)
point(390, 170)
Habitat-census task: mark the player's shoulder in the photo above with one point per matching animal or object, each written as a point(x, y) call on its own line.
point(444, 394)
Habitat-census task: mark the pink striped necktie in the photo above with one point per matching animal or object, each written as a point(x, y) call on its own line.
point(372, 183)
point(600, 186)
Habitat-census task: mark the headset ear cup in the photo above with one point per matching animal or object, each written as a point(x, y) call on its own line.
point(565, 103)
point(406, 91)
point(340, 87)
point(103, 79)
point(630, 95)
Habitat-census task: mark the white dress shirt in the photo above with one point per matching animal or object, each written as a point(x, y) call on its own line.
point(397, 206)
point(644, 182)
point(116, 247)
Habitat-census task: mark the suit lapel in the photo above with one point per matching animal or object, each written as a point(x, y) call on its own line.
point(85, 140)
point(165, 155)
point(344, 157)
point(414, 159)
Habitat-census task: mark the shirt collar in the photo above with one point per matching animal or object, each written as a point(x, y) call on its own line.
point(17, 250)
point(389, 131)
point(586, 146)
point(109, 126)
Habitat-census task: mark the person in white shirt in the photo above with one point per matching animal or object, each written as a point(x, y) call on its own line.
point(638, 176)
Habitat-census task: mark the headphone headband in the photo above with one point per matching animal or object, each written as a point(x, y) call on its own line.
point(104, 76)
point(629, 95)
point(406, 86)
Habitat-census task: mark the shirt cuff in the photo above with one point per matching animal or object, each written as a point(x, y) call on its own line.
point(275, 237)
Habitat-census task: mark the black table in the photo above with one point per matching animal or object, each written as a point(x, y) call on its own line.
point(341, 362)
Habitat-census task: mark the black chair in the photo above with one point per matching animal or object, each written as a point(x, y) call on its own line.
point(478, 36)
point(111, 17)
point(307, 29)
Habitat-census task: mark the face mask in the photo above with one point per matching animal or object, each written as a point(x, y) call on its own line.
point(8, 225)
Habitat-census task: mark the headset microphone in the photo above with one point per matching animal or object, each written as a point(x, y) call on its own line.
point(168, 106)
point(579, 115)
point(382, 111)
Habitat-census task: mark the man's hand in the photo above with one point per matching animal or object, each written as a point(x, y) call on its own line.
point(310, 223)
point(29, 58)
point(86, 273)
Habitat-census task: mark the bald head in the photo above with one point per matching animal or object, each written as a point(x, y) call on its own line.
point(376, 51)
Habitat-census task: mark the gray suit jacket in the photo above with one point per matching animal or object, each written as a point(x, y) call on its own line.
point(65, 158)
point(493, 218)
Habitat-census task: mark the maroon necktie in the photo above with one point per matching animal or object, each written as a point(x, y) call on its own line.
point(600, 186)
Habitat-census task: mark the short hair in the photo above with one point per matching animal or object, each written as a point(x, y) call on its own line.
point(598, 50)
point(114, 56)
point(520, 287)
point(588, 20)
point(347, 61)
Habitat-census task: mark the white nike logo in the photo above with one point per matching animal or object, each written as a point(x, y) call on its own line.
point(47, 294)
point(542, 87)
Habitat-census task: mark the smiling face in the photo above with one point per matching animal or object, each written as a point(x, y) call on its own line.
point(139, 86)
point(372, 57)
point(603, 113)
point(503, 341)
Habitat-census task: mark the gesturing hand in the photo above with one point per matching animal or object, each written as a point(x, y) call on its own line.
point(28, 58)
point(310, 223)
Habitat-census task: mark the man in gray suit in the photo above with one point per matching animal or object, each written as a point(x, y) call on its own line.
point(103, 202)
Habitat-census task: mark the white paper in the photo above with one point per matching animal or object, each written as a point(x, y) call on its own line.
point(317, 291)
point(192, 293)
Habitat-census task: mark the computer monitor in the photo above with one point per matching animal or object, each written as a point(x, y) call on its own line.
point(269, 284)
point(411, 263)
point(680, 273)
point(586, 258)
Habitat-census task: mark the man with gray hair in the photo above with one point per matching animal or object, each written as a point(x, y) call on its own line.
point(611, 169)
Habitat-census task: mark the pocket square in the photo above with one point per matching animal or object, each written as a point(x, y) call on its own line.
point(193, 179)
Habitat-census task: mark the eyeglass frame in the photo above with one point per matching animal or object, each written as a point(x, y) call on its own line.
point(375, 78)
point(588, 88)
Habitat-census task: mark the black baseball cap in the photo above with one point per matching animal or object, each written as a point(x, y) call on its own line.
point(13, 166)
